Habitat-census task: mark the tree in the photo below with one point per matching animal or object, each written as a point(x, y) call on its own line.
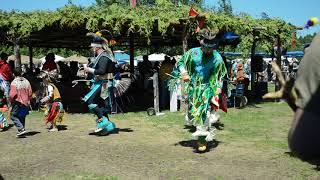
point(125, 2)
point(264, 15)
point(197, 3)
point(306, 39)
point(301, 42)
point(225, 7)
point(110, 2)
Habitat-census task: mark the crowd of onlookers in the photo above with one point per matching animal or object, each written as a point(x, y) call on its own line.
point(239, 71)
point(146, 69)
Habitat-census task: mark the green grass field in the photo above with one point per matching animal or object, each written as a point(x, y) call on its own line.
point(252, 145)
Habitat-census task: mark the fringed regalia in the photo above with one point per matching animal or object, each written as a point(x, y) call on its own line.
point(102, 89)
point(3, 110)
point(54, 112)
point(203, 90)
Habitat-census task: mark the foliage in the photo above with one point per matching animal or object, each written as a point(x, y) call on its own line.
point(121, 19)
point(110, 2)
point(105, 3)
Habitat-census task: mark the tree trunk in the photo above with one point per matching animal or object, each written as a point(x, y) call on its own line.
point(17, 54)
point(185, 37)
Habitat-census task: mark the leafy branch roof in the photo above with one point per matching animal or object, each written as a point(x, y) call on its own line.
point(68, 25)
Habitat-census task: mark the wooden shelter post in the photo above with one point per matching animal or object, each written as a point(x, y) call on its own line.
point(131, 46)
point(183, 102)
point(278, 61)
point(30, 57)
point(255, 34)
point(253, 52)
point(185, 37)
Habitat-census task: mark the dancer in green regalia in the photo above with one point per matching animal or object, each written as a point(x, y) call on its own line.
point(202, 70)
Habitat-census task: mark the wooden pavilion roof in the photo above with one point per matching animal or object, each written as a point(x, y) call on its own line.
point(53, 37)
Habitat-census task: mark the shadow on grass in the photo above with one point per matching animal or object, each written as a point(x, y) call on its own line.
point(62, 127)
point(315, 161)
point(32, 133)
point(191, 129)
point(193, 144)
point(254, 105)
point(116, 131)
point(218, 125)
point(29, 133)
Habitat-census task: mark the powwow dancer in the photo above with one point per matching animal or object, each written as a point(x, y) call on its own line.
point(202, 69)
point(302, 94)
point(100, 97)
point(6, 75)
point(54, 109)
point(3, 109)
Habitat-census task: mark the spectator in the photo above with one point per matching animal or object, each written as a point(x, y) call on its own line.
point(20, 96)
point(145, 69)
point(165, 69)
point(49, 65)
point(5, 74)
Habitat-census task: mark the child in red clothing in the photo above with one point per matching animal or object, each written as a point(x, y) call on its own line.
point(3, 108)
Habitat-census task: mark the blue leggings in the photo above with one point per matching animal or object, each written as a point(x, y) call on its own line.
point(94, 98)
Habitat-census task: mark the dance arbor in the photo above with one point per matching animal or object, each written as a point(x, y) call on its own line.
point(132, 27)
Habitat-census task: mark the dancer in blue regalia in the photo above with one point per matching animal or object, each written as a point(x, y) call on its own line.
point(100, 97)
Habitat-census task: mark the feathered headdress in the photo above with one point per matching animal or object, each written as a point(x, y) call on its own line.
point(103, 39)
point(209, 38)
point(311, 22)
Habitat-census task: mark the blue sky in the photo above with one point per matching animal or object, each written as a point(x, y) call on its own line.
point(296, 12)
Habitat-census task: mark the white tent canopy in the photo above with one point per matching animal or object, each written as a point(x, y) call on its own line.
point(152, 57)
point(156, 57)
point(122, 57)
